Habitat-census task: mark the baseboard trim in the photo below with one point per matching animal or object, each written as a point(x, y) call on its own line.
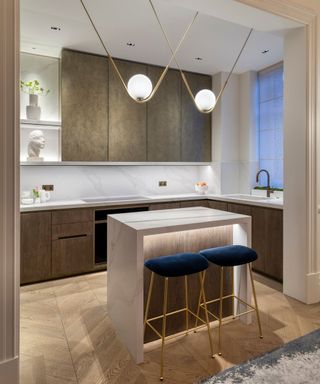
point(9, 371)
point(313, 288)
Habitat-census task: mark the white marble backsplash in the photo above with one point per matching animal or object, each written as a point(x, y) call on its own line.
point(74, 182)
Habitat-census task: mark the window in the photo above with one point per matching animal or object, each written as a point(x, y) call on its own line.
point(270, 128)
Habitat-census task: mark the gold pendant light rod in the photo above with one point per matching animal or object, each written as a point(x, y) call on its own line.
point(234, 65)
point(174, 52)
point(184, 78)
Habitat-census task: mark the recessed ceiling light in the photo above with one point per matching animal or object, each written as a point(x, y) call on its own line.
point(54, 28)
point(198, 58)
point(265, 51)
point(129, 44)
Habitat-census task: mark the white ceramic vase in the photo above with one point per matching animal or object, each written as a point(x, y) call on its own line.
point(33, 110)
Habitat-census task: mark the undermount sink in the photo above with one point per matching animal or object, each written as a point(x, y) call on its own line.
point(247, 197)
point(113, 198)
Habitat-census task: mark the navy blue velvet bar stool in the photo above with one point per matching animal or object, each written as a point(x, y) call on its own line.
point(231, 256)
point(178, 265)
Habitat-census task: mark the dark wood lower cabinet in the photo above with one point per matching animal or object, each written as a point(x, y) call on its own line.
point(267, 238)
point(61, 243)
point(35, 247)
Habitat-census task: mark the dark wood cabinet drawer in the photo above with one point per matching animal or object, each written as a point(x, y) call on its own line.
point(71, 256)
point(194, 203)
point(218, 205)
point(78, 215)
point(239, 208)
point(157, 206)
point(61, 231)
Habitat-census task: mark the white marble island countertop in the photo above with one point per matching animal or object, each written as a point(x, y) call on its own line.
point(180, 219)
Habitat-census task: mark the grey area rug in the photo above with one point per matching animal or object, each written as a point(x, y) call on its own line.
point(297, 362)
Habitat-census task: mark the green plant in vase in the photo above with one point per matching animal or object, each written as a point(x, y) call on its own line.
point(33, 89)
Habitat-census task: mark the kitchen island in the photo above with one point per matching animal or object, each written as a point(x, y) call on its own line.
point(133, 237)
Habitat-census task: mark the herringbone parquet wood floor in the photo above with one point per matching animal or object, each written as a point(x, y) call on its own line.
point(67, 337)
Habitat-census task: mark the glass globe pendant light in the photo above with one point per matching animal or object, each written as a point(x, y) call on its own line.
point(205, 100)
point(139, 87)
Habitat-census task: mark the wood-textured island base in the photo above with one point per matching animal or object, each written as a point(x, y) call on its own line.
point(133, 237)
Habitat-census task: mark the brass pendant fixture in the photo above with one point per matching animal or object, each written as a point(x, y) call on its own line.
point(205, 100)
point(140, 87)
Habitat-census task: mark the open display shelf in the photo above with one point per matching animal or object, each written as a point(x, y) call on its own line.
point(52, 134)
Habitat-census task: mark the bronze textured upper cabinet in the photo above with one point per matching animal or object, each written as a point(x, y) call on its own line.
point(100, 122)
point(127, 119)
point(164, 117)
point(196, 126)
point(84, 106)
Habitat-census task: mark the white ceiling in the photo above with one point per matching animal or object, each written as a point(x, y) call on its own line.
point(216, 36)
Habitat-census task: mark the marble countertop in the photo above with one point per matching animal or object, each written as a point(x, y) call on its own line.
point(193, 217)
point(78, 203)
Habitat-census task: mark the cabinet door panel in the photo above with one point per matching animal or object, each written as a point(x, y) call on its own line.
point(196, 126)
point(274, 264)
point(35, 247)
point(164, 117)
point(72, 256)
point(84, 106)
point(127, 119)
point(260, 241)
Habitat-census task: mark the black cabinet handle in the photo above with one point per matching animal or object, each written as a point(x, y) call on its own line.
point(72, 237)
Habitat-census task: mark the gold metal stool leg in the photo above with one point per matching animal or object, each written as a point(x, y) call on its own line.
point(199, 303)
point(255, 300)
point(148, 301)
point(164, 323)
point(202, 293)
point(233, 295)
point(220, 310)
point(187, 302)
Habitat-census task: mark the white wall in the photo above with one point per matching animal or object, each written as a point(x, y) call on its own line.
point(248, 127)
point(234, 136)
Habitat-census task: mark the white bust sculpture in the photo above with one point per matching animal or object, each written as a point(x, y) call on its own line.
point(36, 143)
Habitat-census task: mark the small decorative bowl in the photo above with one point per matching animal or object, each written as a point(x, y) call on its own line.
point(201, 189)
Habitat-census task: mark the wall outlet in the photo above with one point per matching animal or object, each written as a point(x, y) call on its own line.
point(48, 187)
point(162, 183)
